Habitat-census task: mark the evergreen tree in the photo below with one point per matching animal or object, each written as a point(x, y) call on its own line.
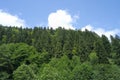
point(101, 52)
point(115, 48)
point(106, 45)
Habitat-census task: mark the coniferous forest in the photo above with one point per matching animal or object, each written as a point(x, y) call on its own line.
point(46, 54)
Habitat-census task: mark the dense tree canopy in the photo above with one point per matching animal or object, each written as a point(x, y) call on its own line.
point(46, 54)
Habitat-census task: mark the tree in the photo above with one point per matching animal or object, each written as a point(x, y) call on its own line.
point(24, 72)
point(106, 72)
point(115, 49)
point(23, 53)
point(68, 45)
point(4, 75)
point(74, 62)
point(41, 58)
point(49, 73)
point(93, 58)
point(101, 53)
point(58, 42)
point(13, 55)
point(82, 72)
point(106, 45)
point(6, 63)
point(63, 66)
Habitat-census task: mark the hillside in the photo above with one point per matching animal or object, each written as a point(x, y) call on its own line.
point(46, 54)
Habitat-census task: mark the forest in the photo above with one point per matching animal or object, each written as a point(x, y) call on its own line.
point(41, 53)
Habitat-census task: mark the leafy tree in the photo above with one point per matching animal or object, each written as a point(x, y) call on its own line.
point(6, 63)
point(63, 66)
point(4, 75)
point(93, 58)
point(24, 72)
point(82, 72)
point(13, 55)
point(49, 73)
point(44, 57)
point(23, 53)
point(74, 62)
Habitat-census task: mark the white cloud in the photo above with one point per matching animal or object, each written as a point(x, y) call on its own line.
point(61, 18)
point(101, 31)
point(88, 27)
point(8, 19)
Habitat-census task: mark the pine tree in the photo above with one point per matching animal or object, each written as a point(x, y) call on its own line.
point(101, 52)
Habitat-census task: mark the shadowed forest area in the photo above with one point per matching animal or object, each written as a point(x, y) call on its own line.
point(46, 54)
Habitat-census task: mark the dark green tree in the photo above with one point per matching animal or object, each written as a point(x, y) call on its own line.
point(101, 52)
point(115, 41)
point(107, 45)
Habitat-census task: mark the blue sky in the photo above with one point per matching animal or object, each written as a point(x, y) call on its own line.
point(96, 15)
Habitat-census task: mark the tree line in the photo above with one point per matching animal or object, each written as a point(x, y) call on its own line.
point(46, 54)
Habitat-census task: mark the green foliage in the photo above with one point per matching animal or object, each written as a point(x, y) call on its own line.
point(46, 54)
point(23, 53)
point(106, 72)
point(63, 66)
point(93, 58)
point(74, 62)
point(101, 53)
point(44, 57)
point(49, 73)
point(107, 45)
point(82, 72)
point(6, 63)
point(24, 72)
point(4, 75)
point(115, 49)
point(13, 55)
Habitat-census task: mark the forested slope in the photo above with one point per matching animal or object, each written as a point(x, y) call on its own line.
point(46, 54)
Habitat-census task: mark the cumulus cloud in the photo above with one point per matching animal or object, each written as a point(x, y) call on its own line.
point(101, 31)
point(61, 18)
point(8, 19)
